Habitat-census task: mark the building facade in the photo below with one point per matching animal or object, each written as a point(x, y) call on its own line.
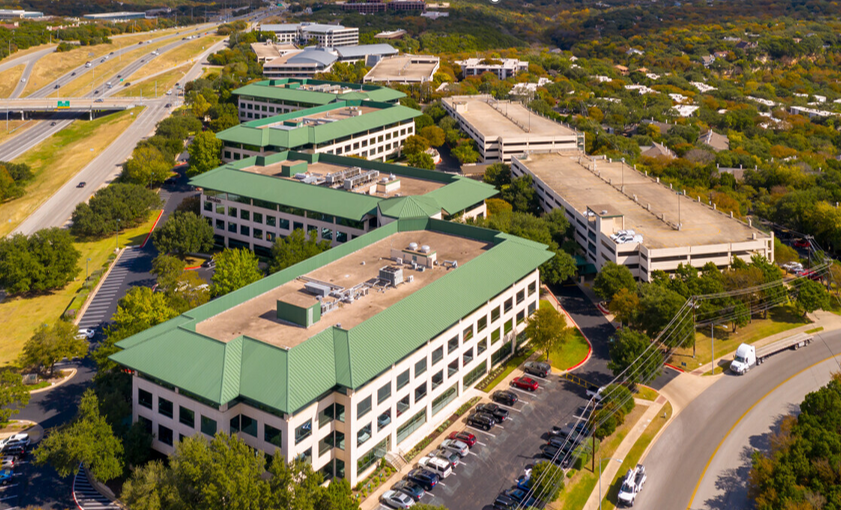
point(318, 34)
point(502, 68)
point(340, 395)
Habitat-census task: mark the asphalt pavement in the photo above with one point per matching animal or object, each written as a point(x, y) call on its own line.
point(677, 460)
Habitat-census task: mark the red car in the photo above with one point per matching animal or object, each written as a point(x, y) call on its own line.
point(525, 383)
point(801, 243)
point(465, 437)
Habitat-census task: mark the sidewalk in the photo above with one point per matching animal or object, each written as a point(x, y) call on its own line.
point(610, 469)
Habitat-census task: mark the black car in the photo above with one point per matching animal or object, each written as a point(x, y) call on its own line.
point(57, 85)
point(481, 421)
point(423, 477)
point(499, 414)
point(73, 73)
point(52, 123)
point(17, 452)
point(507, 398)
point(81, 184)
point(410, 488)
point(503, 502)
point(538, 368)
point(561, 442)
point(578, 429)
point(556, 455)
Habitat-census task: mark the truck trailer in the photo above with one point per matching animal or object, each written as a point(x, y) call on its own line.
point(747, 355)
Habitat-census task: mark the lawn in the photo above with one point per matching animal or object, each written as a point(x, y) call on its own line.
point(571, 353)
point(177, 56)
point(57, 159)
point(781, 318)
point(645, 393)
point(578, 488)
point(636, 452)
point(159, 84)
point(15, 128)
point(20, 316)
point(9, 80)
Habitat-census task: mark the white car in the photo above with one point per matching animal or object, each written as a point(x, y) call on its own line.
point(86, 333)
point(457, 446)
point(595, 392)
point(17, 439)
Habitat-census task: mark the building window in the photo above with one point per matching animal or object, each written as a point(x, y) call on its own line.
point(258, 218)
point(208, 206)
point(232, 227)
point(532, 288)
point(452, 345)
point(303, 431)
point(208, 426)
point(384, 393)
point(402, 405)
point(402, 380)
point(509, 325)
point(383, 420)
point(532, 307)
point(521, 296)
point(220, 209)
point(414, 423)
point(452, 368)
point(271, 221)
point(340, 440)
point(258, 234)
point(420, 392)
point(232, 212)
point(325, 416)
point(475, 374)
point(495, 314)
point(326, 234)
point(521, 316)
point(482, 346)
point(364, 407)
point(146, 422)
point(375, 454)
point(220, 225)
point(283, 224)
point(186, 417)
point(297, 226)
point(144, 398)
point(363, 435)
point(482, 324)
point(468, 333)
point(467, 357)
point(247, 425)
point(244, 230)
point(312, 228)
point(272, 435)
point(165, 407)
point(325, 444)
point(441, 401)
point(437, 379)
point(438, 355)
point(306, 456)
point(165, 435)
point(244, 215)
point(341, 237)
point(340, 413)
point(420, 367)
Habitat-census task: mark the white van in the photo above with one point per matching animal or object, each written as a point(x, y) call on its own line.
point(437, 465)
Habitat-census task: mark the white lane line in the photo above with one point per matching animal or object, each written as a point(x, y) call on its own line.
point(518, 390)
point(482, 431)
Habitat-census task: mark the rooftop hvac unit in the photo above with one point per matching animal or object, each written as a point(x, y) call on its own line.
point(425, 248)
point(413, 246)
point(363, 178)
point(318, 289)
point(392, 274)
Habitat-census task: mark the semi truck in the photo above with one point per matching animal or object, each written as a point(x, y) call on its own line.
point(747, 355)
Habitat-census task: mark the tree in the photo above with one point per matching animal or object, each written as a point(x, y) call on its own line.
point(223, 122)
point(147, 166)
point(465, 153)
point(624, 306)
point(611, 279)
point(204, 153)
point(433, 135)
point(546, 481)
point(137, 444)
point(421, 160)
point(190, 291)
point(49, 344)
point(628, 351)
point(88, 440)
point(296, 247)
point(44, 261)
point(812, 296)
point(167, 269)
point(558, 269)
point(497, 206)
point(14, 395)
point(235, 268)
point(415, 145)
point(498, 174)
point(119, 204)
point(784, 254)
point(547, 329)
point(658, 306)
point(183, 233)
point(521, 195)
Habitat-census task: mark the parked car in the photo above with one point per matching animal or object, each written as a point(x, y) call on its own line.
point(595, 392)
point(507, 398)
point(557, 455)
point(456, 446)
point(81, 184)
point(525, 383)
point(6, 476)
point(409, 488)
point(22, 437)
point(503, 502)
point(523, 480)
point(561, 442)
point(538, 368)
point(499, 414)
point(481, 421)
point(423, 477)
point(16, 451)
point(574, 430)
point(465, 437)
point(395, 499)
point(801, 243)
point(450, 456)
point(520, 496)
point(7, 462)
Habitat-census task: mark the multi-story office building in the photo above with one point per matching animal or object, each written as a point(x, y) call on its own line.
point(272, 97)
point(359, 351)
point(502, 68)
point(19, 14)
point(115, 16)
point(624, 216)
point(298, 63)
point(252, 202)
point(351, 127)
point(405, 69)
point(318, 34)
point(503, 129)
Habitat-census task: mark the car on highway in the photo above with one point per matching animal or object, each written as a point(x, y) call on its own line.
point(73, 73)
point(506, 398)
point(52, 123)
point(481, 421)
point(423, 477)
point(168, 105)
point(456, 446)
point(81, 184)
point(144, 60)
point(100, 100)
point(127, 84)
point(119, 76)
point(395, 499)
point(465, 437)
point(95, 92)
point(85, 333)
point(499, 414)
point(632, 485)
point(538, 368)
point(23, 80)
point(409, 488)
point(140, 43)
point(57, 86)
point(525, 383)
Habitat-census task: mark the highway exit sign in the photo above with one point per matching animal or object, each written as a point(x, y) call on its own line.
point(64, 104)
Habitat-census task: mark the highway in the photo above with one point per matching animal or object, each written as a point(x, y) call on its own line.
point(30, 61)
point(56, 211)
point(679, 458)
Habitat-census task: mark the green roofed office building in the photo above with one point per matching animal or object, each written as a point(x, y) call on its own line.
point(351, 127)
point(360, 351)
point(272, 97)
point(253, 201)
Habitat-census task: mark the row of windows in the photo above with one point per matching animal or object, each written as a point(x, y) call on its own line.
point(270, 220)
point(186, 416)
point(325, 234)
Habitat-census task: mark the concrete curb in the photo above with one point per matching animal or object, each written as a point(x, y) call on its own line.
point(92, 295)
point(56, 385)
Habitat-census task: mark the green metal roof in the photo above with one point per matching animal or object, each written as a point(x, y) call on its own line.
point(283, 90)
point(288, 380)
point(256, 133)
point(231, 178)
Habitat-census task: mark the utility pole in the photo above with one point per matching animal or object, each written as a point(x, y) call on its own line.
point(712, 345)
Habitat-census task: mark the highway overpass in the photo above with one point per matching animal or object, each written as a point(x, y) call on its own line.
point(14, 107)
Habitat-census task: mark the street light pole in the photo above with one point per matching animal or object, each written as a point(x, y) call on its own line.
point(712, 345)
point(117, 235)
point(600, 476)
point(87, 272)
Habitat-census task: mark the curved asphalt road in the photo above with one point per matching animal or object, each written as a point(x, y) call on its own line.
point(677, 460)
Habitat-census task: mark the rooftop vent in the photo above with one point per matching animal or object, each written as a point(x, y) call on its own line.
point(318, 289)
point(425, 248)
point(413, 246)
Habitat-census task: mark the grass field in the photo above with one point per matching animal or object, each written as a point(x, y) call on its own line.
point(159, 84)
point(571, 353)
point(781, 318)
point(177, 56)
point(20, 316)
point(58, 158)
point(9, 80)
point(634, 455)
point(21, 53)
point(16, 127)
point(55, 65)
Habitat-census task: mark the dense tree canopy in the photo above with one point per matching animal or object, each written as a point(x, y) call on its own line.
point(44, 261)
point(116, 206)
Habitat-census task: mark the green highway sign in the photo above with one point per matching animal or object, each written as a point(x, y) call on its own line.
point(63, 104)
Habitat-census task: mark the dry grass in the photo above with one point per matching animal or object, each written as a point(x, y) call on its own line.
point(55, 65)
point(21, 315)
point(58, 158)
point(177, 57)
point(15, 128)
point(9, 80)
point(21, 53)
point(165, 81)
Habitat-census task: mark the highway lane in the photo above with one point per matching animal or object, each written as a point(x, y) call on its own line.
point(677, 460)
point(30, 61)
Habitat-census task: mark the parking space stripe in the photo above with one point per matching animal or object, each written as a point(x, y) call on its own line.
point(482, 431)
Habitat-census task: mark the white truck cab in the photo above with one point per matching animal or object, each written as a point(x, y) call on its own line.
point(744, 359)
point(632, 485)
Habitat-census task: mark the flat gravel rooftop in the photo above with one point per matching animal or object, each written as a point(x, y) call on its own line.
point(504, 118)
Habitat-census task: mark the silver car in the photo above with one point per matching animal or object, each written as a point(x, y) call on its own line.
point(457, 446)
point(395, 499)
